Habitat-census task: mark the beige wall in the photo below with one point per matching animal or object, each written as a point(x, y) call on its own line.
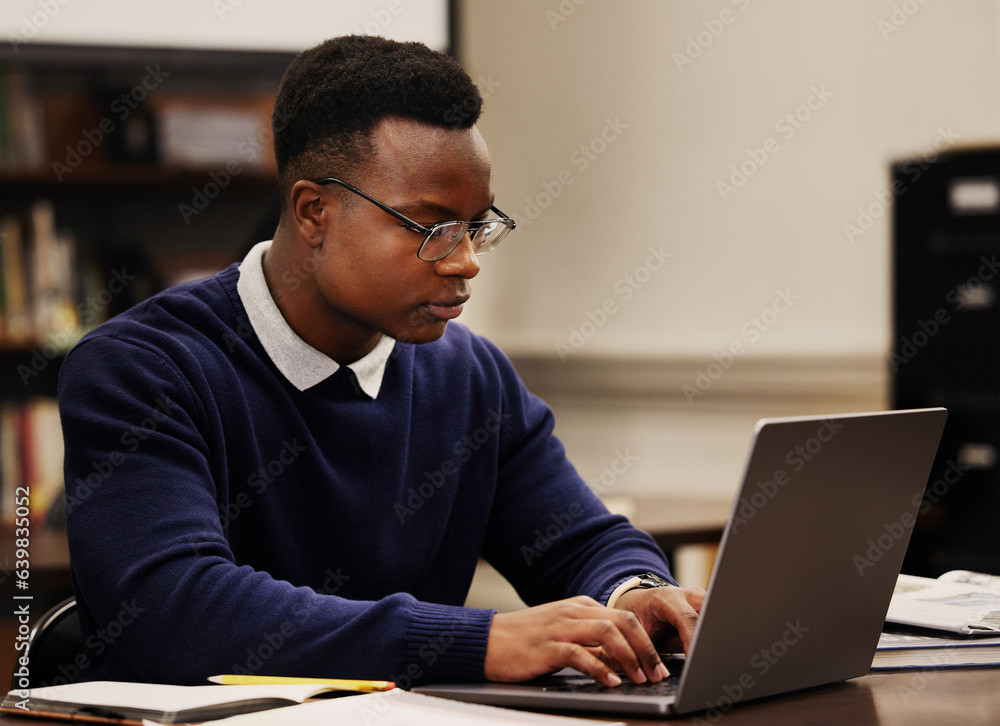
point(870, 82)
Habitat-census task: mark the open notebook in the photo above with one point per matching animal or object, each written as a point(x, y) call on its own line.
point(100, 700)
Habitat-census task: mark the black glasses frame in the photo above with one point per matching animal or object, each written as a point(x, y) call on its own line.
point(470, 227)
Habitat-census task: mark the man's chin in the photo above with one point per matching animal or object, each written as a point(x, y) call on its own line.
point(426, 332)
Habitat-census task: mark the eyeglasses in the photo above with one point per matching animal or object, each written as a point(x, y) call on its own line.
point(441, 239)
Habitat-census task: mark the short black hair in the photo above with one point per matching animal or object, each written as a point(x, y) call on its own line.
point(332, 96)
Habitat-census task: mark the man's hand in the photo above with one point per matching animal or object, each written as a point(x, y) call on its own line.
point(578, 633)
point(667, 614)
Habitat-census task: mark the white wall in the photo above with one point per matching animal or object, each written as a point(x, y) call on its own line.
point(559, 69)
point(289, 25)
point(887, 79)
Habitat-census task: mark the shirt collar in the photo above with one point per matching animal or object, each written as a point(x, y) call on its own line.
point(299, 362)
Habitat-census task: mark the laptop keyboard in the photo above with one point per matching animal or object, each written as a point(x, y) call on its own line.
point(585, 684)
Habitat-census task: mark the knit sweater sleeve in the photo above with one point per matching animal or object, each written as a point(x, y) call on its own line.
point(549, 534)
point(163, 598)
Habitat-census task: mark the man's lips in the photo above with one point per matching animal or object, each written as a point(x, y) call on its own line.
point(446, 309)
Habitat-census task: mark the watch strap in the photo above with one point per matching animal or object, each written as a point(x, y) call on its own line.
point(645, 581)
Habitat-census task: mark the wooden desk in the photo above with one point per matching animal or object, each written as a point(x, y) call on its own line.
point(970, 697)
point(902, 698)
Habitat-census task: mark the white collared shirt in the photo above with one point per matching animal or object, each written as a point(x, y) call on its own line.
point(299, 362)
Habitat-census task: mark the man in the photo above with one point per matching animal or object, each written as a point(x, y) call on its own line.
point(292, 467)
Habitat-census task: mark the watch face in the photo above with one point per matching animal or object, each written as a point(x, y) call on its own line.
point(649, 580)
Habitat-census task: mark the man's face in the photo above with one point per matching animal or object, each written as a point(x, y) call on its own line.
point(369, 277)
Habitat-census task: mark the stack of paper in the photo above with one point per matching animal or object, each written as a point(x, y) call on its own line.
point(958, 601)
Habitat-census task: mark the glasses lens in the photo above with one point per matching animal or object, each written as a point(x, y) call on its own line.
point(442, 240)
point(489, 235)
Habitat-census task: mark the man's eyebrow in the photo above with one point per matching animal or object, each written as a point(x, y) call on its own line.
point(445, 213)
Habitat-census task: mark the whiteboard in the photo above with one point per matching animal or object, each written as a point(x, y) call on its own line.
point(264, 25)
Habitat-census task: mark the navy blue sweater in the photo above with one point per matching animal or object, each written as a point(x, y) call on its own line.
point(220, 520)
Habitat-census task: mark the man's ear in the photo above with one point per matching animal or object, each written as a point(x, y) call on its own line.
point(313, 212)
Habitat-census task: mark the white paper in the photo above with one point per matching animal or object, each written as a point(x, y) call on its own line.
point(399, 708)
point(952, 602)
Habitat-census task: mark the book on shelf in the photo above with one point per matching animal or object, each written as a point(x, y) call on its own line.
point(31, 456)
point(963, 602)
point(23, 146)
point(15, 318)
point(53, 260)
point(224, 133)
point(38, 280)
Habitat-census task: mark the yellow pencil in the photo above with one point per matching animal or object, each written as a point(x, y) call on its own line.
point(337, 683)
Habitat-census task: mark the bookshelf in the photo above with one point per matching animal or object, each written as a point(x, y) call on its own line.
point(122, 171)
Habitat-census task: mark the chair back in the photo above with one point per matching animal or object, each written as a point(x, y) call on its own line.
point(55, 645)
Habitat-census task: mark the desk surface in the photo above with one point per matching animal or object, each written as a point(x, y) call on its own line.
point(970, 697)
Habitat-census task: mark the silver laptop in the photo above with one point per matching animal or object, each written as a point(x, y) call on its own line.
point(805, 571)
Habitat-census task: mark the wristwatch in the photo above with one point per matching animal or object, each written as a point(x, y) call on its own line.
point(645, 581)
point(648, 580)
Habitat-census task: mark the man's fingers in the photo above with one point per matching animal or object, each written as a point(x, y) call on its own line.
point(642, 660)
point(612, 633)
point(584, 660)
point(667, 613)
point(687, 616)
point(578, 632)
point(679, 614)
